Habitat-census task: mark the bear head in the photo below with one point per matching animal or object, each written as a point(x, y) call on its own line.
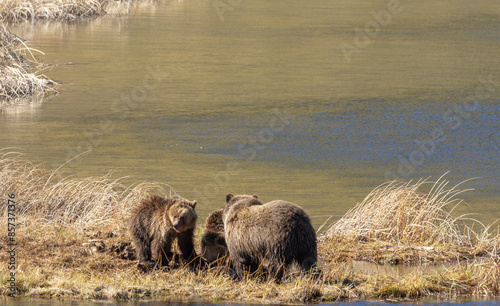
point(232, 199)
point(182, 214)
point(213, 246)
point(235, 202)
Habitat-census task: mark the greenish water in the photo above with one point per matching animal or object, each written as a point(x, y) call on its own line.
point(315, 102)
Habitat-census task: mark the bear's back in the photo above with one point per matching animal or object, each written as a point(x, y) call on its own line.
point(276, 218)
point(152, 212)
point(279, 211)
point(285, 227)
point(154, 203)
point(214, 222)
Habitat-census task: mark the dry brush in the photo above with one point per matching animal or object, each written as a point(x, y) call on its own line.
point(16, 76)
point(58, 215)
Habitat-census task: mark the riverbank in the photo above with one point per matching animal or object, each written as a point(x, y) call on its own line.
point(72, 242)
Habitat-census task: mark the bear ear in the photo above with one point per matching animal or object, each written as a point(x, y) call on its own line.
point(255, 196)
point(229, 197)
point(193, 204)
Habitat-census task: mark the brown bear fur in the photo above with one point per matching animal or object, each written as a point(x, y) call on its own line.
point(156, 222)
point(268, 236)
point(213, 242)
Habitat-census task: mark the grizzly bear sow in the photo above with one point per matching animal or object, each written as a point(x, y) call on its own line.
point(213, 243)
point(156, 222)
point(274, 234)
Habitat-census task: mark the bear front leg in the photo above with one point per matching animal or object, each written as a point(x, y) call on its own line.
point(242, 263)
point(239, 268)
point(274, 269)
point(186, 246)
point(144, 251)
point(161, 250)
point(142, 244)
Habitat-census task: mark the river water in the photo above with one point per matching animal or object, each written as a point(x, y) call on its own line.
point(312, 102)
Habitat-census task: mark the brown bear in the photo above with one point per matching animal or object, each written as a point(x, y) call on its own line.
point(267, 236)
point(156, 222)
point(213, 243)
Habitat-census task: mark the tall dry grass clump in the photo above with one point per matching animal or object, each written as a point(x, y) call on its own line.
point(403, 213)
point(16, 78)
point(43, 196)
point(32, 10)
point(61, 10)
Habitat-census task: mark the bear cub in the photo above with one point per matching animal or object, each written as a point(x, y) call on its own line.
point(267, 237)
point(156, 222)
point(213, 242)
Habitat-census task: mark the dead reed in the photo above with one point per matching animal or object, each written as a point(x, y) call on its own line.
point(403, 213)
point(15, 11)
point(89, 202)
point(53, 264)
point(16, 77)
point(32, 10)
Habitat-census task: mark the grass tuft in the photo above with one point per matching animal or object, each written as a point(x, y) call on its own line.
point(402, 213)
point(15, 11)
point(45, 198)
point(16, 78)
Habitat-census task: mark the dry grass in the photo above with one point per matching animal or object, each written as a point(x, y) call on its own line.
point(57, 217)
point(67, 10)
point(16, 78)
point(403, 213)
point(15, 11)
point(64, 271)
point(45, 198)
point(52, 263)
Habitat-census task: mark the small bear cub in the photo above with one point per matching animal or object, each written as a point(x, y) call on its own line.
point(156, 222)
point(213, 242)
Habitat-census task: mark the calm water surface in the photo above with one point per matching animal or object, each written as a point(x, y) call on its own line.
point(313, 102)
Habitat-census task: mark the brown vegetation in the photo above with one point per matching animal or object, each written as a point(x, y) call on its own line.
point(402, 213)
point(402, 219)
point(20, 75)
point(46, 198)
point(16, 76)
point(73, 241)
point(65, 10)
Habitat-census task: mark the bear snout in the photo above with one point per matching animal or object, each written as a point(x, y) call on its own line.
point(178, 224)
